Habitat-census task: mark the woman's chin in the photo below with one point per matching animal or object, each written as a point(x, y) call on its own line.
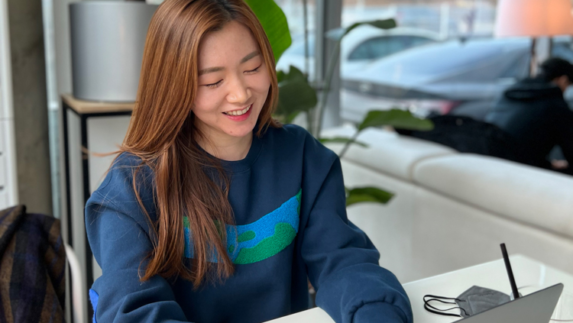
point(242, 130)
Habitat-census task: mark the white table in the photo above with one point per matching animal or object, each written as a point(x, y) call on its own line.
point(530, 276)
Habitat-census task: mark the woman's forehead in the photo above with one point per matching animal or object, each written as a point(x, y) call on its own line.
point(227, 45)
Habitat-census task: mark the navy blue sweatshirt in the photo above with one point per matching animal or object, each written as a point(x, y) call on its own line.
point(289, 206)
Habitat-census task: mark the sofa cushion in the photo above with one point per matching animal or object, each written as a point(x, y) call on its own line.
point(387, 152)
point(530, 195)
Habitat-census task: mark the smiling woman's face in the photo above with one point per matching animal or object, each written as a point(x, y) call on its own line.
point(233, 83)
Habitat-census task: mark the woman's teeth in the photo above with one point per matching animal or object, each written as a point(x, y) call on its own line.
point(238, 112)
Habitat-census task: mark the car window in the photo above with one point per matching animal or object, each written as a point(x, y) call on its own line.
point(362, 51)
point(385, 45)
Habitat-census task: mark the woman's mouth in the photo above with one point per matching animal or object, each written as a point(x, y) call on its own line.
point(239, 112)
point(239, 115)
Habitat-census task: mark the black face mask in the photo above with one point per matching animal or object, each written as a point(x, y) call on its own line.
point(473, 301)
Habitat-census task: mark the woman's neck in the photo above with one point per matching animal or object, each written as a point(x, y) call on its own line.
point(226, 147)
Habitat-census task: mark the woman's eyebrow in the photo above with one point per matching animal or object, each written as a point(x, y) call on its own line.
point(217, 69)
point(251, 55)
point(210, 70)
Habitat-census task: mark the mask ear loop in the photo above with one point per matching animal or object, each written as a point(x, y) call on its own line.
point(444, 300)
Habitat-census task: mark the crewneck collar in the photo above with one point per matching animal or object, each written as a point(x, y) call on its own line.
point(245, 163)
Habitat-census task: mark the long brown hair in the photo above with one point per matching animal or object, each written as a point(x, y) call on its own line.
point(162, 134)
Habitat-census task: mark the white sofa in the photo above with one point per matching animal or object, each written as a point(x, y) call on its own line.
point(452, 210)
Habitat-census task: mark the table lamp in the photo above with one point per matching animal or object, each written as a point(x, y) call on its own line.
point(533, 18)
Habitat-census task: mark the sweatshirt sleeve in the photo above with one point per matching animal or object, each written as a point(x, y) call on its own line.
point(115, 228)
point(342, 262)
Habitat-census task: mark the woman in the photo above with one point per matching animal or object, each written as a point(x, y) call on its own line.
point(213, 212)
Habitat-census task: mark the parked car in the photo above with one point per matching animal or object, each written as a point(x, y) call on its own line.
point(458, 77)
point(360, 47)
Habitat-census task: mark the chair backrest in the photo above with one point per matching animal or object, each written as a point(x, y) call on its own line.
point(78, 293)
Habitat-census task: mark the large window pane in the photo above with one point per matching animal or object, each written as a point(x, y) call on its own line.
point(441, 56)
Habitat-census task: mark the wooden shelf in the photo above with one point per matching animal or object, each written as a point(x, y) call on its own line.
point(95, 107)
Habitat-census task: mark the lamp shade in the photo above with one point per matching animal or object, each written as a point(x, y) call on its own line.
point(533, 18)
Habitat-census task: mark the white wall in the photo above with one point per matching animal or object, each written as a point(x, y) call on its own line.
point(8, 172)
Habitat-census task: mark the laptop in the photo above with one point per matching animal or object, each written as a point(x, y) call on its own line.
point(533, 308)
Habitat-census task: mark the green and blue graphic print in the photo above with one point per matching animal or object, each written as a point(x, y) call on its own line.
point(261, 239)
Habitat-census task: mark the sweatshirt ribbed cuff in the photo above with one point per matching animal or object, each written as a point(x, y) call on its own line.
point(379, 312)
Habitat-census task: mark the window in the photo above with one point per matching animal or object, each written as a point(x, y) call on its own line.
point(442, 51)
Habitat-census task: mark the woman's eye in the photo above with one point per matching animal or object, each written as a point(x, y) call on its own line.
point(255, 70)
point(213, 85)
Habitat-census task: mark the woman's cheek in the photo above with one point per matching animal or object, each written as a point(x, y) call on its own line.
point(207, 99)
point(263, 82)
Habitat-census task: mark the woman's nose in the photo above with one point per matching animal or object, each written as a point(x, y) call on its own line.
point(239, 92)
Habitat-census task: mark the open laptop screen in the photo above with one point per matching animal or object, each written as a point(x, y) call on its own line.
point(533, 308)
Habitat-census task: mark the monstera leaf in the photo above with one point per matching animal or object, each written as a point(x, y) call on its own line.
point(396, 118)
point(367, 194)
point(274, 23)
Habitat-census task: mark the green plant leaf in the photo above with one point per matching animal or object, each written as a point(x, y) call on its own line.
point(338, 33)
point(396, 118)
point(290, 118)
point(281, 75)
point(367, 194)
point(274, 23)
point(295, 94)
point(342, 140)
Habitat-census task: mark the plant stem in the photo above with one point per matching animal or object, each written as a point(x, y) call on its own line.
point(350, 142)
point(327, 80)
point(306, 51)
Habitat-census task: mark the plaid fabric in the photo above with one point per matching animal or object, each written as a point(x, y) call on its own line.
point(32, 267)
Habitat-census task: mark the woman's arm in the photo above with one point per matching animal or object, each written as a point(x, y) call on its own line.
point(115, 228)
point(343, 263)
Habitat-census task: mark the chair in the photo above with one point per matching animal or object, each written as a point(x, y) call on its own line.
point(78, 293)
